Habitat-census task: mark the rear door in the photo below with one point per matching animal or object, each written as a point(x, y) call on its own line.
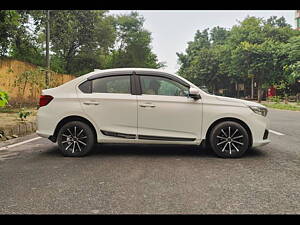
point(111, 105)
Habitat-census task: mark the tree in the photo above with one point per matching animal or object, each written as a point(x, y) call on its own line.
point(17, 38)
point(292, 62)
point(82, 40)
point(9, 22)
point(187, 59)
point(132, 46)
point(259, 49)
point(264, 50)
point(77, 33)
point(218, 35)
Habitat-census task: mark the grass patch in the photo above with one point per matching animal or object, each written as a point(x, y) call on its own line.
point(15, 109)
point(283, 106)
point(10, 116)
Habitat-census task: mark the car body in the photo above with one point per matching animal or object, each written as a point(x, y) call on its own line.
point(126, 106)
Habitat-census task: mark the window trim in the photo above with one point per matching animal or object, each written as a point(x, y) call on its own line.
point(109, 74)
point(135, 82)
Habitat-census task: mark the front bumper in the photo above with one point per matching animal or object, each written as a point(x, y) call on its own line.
point(264, 140)
point(261, 143)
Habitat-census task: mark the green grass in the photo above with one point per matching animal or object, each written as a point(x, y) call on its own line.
point(15, 109)
point(283, 106)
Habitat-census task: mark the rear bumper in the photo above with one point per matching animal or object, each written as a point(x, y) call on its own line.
point(41, 134)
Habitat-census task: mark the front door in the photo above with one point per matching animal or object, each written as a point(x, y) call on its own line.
point(166, 113)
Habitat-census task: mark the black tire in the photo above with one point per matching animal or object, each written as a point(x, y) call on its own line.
point(75, 139)
point(229, 139)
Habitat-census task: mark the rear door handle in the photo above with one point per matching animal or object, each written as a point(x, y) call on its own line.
point(147, 105)
point(91, 103)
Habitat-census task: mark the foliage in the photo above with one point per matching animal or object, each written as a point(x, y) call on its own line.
point(132, 46)
point(27, 45)
point(9, 22)
point(266, 50)
point(80, 35)
point(80, 40)
point(23, 114)
point(3, 98)
point(35, 78)
point(275, 99)
point(292, 67)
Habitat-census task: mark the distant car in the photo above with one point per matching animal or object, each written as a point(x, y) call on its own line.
point(148, 106)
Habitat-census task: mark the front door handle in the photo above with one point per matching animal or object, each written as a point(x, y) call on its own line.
point(147, 105)
point(91, 103)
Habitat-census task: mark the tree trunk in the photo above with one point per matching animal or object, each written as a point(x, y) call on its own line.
point(236, 89)
point(47, 79)
point(259, 92)
point(252, 87)
point(285, 98)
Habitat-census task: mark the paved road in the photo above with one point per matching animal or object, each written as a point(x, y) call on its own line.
point(36, 179)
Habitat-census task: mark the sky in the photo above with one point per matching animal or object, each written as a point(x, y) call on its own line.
point(172, 29)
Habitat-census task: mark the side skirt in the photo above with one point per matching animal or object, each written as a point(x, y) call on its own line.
point(148, 137)
point(145, 137)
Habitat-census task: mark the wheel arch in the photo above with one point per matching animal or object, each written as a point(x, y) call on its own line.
point(242, 123)
point(67, 119)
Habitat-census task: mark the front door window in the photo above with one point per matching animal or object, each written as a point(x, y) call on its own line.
point(152, 85)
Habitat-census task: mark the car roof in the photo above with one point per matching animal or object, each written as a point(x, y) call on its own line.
point(124, 71)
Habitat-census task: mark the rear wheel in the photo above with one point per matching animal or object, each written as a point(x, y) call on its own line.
point(229, 139)
point(75, 139)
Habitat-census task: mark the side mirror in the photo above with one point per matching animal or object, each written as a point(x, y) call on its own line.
point(194, 93)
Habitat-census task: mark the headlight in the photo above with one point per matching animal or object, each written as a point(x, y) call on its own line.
point(259, 110)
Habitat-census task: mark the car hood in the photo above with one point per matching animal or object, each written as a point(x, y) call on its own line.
point(239, 101)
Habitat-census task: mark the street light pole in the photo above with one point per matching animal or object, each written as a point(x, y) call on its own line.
point(47, 48)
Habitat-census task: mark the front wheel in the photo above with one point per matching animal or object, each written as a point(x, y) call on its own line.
point(75, 139)
point(229, 139)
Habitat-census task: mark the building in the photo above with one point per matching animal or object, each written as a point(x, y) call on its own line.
point(297, 18)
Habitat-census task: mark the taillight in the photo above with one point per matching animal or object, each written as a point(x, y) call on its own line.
point(45, 99)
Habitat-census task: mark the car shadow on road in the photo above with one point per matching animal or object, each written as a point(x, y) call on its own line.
point(255, 153)
point(151, 150)
point(140, 150)
point(103, 150)
point(157, 150)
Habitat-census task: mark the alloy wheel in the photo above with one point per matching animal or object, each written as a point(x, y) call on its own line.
point(74, 139)
point(230, 140)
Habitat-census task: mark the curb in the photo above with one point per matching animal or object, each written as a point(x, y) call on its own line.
point(20, 129)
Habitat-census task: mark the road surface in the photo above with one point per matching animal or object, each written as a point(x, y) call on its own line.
point(126, 179)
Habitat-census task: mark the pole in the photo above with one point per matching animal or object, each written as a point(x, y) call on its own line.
point(47, 48)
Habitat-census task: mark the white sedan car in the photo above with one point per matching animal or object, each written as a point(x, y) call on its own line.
point(147, 106)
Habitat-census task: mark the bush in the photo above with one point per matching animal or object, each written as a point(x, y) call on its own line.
point(3, 98)
point(23, 114)
point(276, 99)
